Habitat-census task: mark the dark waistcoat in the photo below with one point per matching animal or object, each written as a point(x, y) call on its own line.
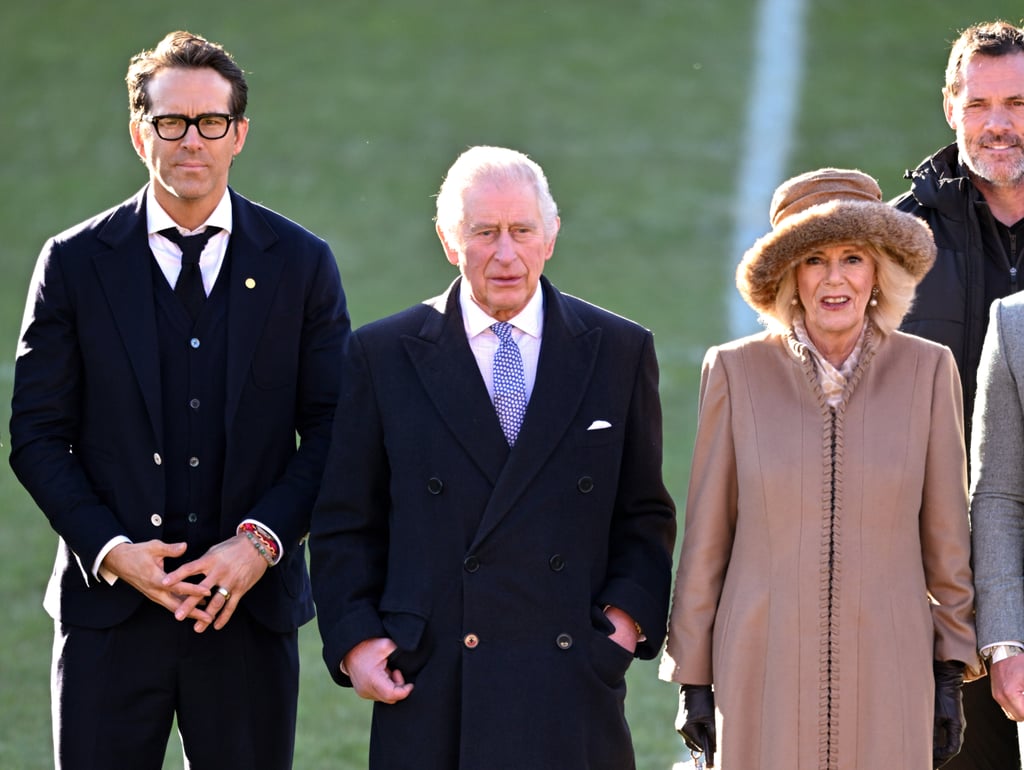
point(192, 375)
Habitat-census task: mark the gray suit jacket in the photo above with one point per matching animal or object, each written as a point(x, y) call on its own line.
point(997, 485)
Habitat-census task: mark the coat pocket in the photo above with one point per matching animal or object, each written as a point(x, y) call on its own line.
point(609, 659)
point(408, 631)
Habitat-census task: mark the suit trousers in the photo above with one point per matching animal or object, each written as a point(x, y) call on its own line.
point(990, 742)
point(116, 692)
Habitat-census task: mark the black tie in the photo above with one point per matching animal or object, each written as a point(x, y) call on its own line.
point(189, 287)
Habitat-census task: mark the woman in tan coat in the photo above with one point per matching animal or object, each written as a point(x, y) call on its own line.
point(824, 586)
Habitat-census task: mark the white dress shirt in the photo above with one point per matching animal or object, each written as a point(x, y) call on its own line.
point(527, 328)
point(168, 257)
point(168, 253)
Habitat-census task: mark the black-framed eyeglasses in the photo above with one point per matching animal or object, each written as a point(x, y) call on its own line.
point(210, 125)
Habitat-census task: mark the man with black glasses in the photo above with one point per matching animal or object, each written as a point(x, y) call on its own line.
point(172, 349)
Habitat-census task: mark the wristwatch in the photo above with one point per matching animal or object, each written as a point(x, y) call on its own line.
point(1000, 652)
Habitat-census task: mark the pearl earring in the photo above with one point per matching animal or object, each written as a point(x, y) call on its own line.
point(874, 297)
point(795, 300)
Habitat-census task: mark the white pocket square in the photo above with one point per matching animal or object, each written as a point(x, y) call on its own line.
point(599, 425)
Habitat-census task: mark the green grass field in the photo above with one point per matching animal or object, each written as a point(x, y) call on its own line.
point(635, 109)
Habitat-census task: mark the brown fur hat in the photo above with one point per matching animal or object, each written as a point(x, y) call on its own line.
point(826, 206)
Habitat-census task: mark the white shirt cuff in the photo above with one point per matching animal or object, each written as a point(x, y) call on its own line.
point(101, 572)
point(997, 652)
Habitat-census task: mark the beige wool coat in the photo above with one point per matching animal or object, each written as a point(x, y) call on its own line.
point(825, 558)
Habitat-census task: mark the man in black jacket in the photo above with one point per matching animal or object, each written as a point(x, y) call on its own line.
point(971, 193)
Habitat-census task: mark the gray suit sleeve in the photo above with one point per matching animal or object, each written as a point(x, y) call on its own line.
point(997, 468)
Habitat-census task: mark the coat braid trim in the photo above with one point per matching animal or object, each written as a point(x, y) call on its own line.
point(833, 421)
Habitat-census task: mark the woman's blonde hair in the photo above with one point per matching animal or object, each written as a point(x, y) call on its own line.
point(896, 288)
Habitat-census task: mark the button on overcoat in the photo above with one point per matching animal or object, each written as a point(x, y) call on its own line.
point(490, 567)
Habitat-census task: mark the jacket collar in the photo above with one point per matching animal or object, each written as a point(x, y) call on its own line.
point(942, 182)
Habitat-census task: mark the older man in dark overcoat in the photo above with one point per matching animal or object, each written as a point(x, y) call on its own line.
point(492, 544)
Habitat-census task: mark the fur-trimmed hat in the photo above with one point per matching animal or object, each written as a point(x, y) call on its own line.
point(830, 205)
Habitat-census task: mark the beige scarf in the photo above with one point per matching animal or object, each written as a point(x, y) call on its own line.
point(831, 380)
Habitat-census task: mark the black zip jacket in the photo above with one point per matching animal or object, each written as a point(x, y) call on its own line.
point(971, 268)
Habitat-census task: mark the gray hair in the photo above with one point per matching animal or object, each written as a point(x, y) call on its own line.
point(497, 164)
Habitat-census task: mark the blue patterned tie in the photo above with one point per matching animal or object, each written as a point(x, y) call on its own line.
point(509, 382)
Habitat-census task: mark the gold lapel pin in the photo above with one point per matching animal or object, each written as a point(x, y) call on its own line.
point(250, 283)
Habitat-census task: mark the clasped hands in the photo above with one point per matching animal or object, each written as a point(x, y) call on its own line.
point(233, 565)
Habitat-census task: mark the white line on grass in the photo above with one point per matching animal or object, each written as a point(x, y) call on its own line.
point(769, 126)
point(771, 109)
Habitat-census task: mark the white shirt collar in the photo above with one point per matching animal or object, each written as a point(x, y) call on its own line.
point(530, 320)
point(157, 219)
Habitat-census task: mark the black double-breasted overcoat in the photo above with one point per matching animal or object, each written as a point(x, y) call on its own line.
point(489, 566)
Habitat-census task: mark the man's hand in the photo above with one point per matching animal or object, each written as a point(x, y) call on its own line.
point(625, 633)
point(1008, 686)
point(366, 665)
point(231, 567)
point(141, 565)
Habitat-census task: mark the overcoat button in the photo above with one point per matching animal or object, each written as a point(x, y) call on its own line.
point(157, 458)
point(193, 462)
point(194, 342)
point(585, 484)
point(471, 564)
point(193, 518)
point(564, 641)
point(556, 562)
point(194, 403)
point(434, 485)
point(471, 641)
point(156, 520)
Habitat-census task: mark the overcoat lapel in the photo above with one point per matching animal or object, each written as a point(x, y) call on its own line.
point(125, 274)
point(445, 364)
point(253, 276)
point(448, 371)
point(567, 356)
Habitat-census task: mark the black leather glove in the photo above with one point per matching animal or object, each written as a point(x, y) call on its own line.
point(949, 711)
point(696, 720)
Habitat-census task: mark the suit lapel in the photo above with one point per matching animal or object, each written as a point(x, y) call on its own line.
point(442, 358)
point(564, 370)
point(253, 277)
point(125, 274)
